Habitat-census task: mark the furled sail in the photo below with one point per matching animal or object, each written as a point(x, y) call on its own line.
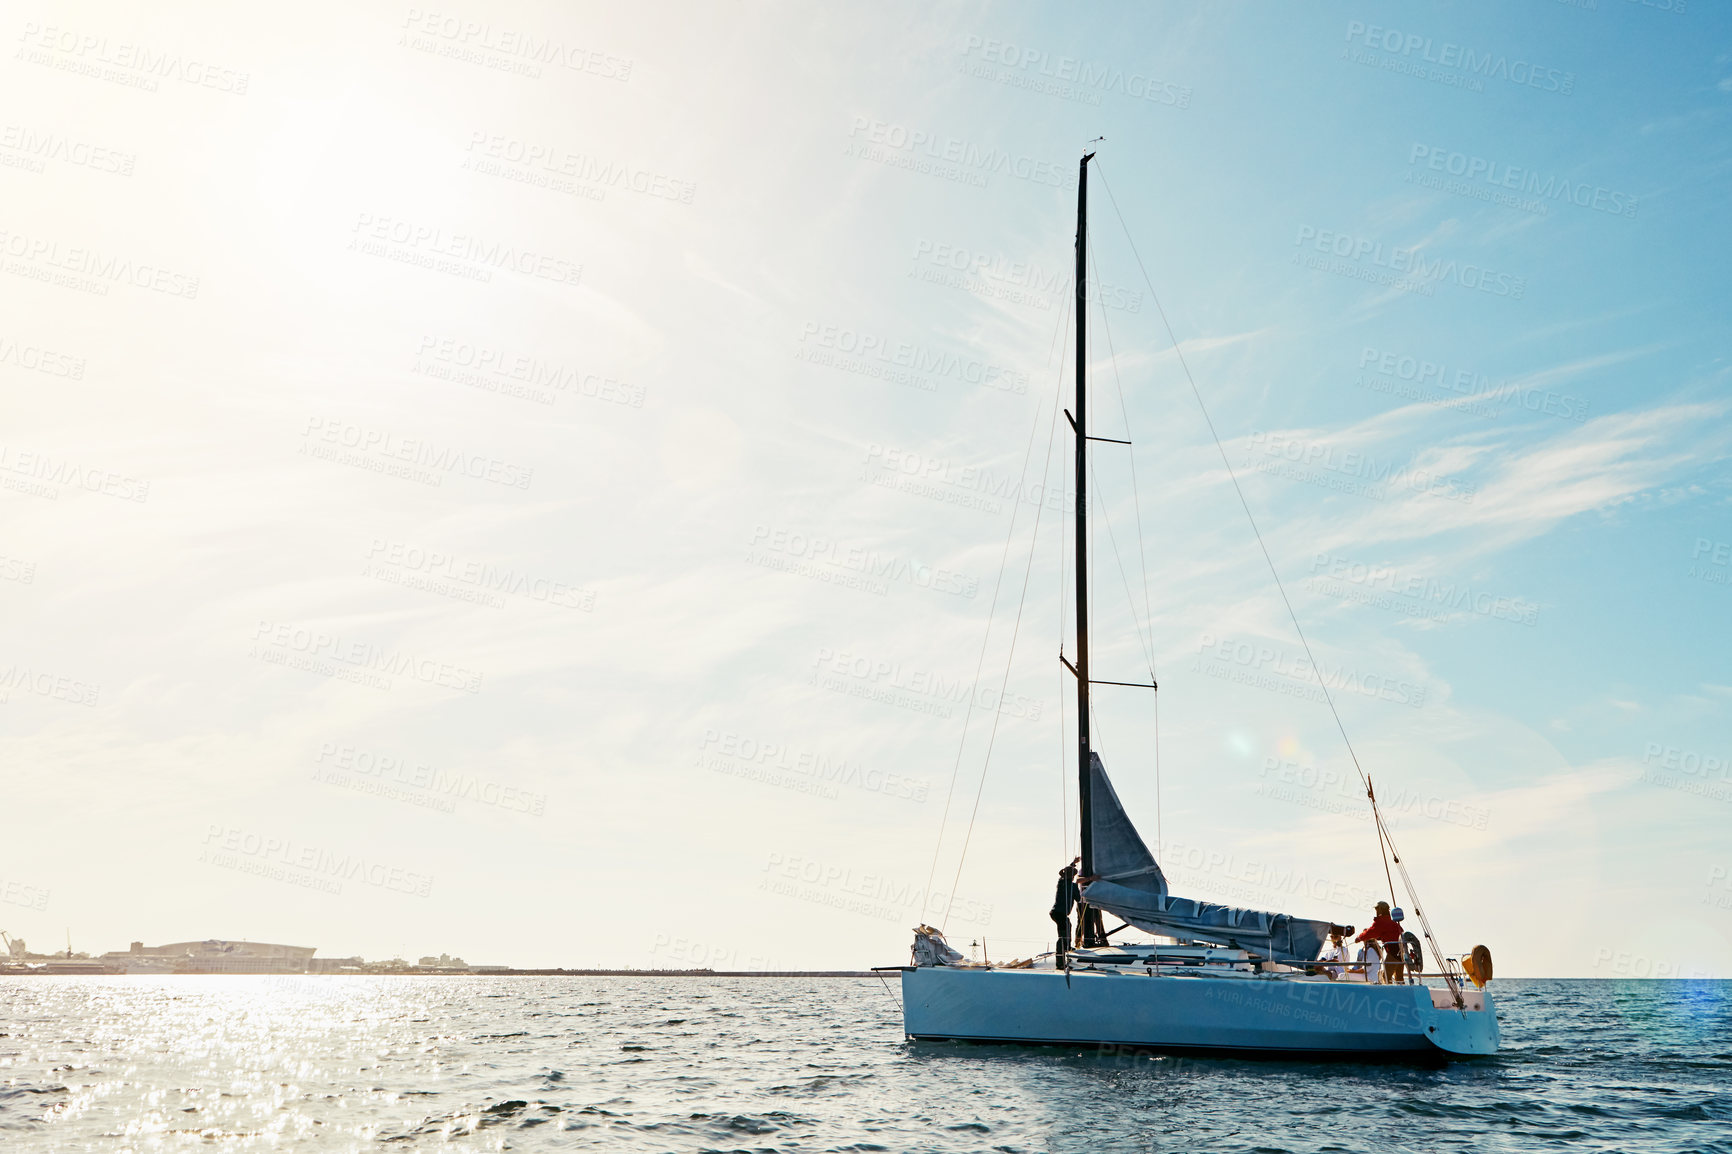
point(1128, 882)
point(1121, 857)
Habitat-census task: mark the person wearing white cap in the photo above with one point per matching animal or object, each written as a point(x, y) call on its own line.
point(1335, 951)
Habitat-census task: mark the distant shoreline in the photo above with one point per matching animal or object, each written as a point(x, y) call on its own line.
point(92, 972)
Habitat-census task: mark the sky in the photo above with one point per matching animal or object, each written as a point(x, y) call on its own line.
point(581, 484)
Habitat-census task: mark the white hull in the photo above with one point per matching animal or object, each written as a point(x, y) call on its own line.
point(1265, 1015)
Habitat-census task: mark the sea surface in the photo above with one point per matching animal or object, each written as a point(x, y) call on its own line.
point(787, 1064)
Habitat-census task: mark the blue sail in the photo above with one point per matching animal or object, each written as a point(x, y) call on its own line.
point(1128, 882)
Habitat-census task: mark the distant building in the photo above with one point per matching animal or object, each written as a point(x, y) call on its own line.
point(213, 956)
point(354, 965)
point(221, 956)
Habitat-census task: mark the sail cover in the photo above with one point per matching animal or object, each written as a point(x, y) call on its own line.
point(1128, 882)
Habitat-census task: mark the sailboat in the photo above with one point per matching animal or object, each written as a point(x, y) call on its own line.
point(1216, 978)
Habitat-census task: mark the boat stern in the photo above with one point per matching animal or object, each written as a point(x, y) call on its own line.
point(1467, 1030)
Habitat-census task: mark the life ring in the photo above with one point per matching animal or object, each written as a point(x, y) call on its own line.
point(1412, 955)
point(1477, 966)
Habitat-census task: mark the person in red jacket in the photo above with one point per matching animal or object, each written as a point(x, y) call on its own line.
point(1387, 932)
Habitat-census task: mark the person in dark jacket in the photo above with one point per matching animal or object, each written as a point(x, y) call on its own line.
point(1063, 901)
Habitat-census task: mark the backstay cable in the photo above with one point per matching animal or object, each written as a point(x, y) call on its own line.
point(1246, 505)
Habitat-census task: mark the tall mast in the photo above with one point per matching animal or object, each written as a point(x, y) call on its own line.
point(1082, 555)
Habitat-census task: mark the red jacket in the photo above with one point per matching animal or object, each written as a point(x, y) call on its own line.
point(1383, 928)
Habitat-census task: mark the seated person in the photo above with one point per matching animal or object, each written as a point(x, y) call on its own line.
point(1335, 951)
point(1366, 967)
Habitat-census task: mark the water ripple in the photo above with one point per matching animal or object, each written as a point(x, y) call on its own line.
point(787, 1066)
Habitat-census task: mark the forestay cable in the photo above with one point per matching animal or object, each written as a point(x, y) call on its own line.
point(1329, 698)
point(1015, 630)
point(980, 662)
point(1232, 476)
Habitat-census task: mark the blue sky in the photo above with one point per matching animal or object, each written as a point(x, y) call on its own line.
point(530, 482)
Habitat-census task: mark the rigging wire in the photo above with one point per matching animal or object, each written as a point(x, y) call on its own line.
point(1382, 842)
point(1419, 908)
point(1234, 477)
point(980, 662)
point(1063, 738)
point(1142, 554)
point(1383, 838)
point(1063, 784)
point(1136, 498)
point(1144, 644)
point(1015, 630)
point(1160, 842)
point(1063, 571)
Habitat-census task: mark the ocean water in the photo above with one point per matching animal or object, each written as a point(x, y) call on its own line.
point(783, 1064)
